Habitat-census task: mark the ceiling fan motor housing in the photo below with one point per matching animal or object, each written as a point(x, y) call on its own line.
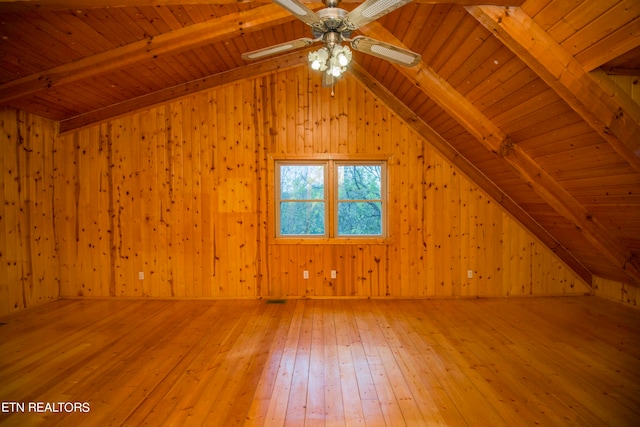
point(332, 22)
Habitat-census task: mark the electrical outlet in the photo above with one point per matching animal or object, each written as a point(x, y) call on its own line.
point(141, 275)
point(305, 274)
point(334, 274)
point(469, 274)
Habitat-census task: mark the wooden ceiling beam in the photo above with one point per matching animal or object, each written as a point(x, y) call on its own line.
point(468, 169)
point(496, 141)
point(600, 102)
point(165, 95)
point(146, 50)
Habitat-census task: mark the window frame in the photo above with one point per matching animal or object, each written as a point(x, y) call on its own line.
point(336, 200)
point(331, 201)
point(279, 200)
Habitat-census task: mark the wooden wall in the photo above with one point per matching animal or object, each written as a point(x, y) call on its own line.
point(630, 84)
point(616, 291)
point(179, 193)
point(29, 269)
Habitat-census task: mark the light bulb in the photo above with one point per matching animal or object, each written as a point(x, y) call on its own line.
point(318, 59)
point(334, 67)
point(343, 55)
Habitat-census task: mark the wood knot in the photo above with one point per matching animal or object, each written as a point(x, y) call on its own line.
point(506, 147)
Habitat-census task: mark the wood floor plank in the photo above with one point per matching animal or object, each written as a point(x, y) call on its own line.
point(204, 333)
point(275, 396)
point(458, 380)
point(333, 393)
point(344, 362)
point(297, 399)
point(315, 406)
point(353, 412)
point(373, 340)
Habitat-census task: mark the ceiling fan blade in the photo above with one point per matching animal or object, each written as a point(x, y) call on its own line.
point(385, 51)
point(301, 11)
point(278, 48)
point(369, 11)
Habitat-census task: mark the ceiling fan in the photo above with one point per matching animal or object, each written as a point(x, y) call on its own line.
point(333, 26)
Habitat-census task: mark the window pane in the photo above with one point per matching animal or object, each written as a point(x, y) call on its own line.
point(302, 218)
point(301, 182)
point(360, 218)
point(361, 182)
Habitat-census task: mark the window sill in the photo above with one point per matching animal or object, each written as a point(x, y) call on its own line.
point(332, 241)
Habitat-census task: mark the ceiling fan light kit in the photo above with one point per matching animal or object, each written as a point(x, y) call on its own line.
point(333, 26)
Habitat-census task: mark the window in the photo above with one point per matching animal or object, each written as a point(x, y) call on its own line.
point(359, 199)
point(302, 200)
point(330, 199)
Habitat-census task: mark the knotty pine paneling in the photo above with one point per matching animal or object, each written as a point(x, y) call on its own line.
point(170, 192)
point(441, 224)
point(29, 268)
point(617, 291)
point(630, 84)
point(179, 192)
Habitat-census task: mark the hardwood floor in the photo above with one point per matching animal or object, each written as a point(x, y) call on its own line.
point(493, 362)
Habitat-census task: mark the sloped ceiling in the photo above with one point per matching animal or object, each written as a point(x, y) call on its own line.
point(532, 99)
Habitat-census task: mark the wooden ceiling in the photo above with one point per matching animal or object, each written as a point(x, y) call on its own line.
point(536, 100)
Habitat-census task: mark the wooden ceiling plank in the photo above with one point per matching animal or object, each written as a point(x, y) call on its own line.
point(621, 13)
point(155, 19)
point(610, 112)
point(103, 21)
point(470, 42)
point(544, 122)
point(557, 135)
point(534, 7)
point(415, 32)
point(568, 164)
point(538, 119)
point(168, 17)
point(621, 41)
point(21, 5)
point(489, 135)
point(397, 21)
point(164, 95)
point(86, 40)
point(530, 97)
point(601, 171)
point(467, 168)
point(134, 22)
point(196, 62)
point(556, 12)
point(148, 49)
point(624, 181)
point(195, 14)
point(501, 87)
point(512, 70)
point(452, 30)
point(578, 18)
point(44, 108)
point(476, 68)
point(564, 144)
point(35, 40)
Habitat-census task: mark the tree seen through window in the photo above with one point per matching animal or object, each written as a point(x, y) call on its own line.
point(305, 208)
